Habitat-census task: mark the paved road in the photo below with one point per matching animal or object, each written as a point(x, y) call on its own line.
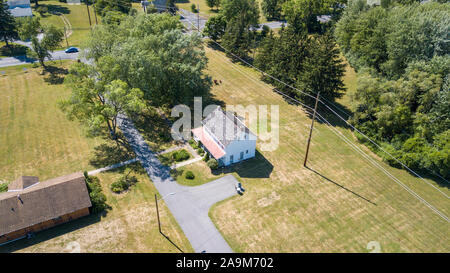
point(189, 205)
point(192, 22)
point(19, 60)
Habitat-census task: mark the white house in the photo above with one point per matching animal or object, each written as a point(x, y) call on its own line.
point(225, 137)
point(20, 8)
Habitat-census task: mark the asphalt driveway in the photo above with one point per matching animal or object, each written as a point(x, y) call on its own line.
point(189, 205)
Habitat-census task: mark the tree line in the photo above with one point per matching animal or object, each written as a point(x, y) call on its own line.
point(401, 52)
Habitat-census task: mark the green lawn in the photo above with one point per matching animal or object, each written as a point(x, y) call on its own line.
point(37, 139)
point(340, 204)
point(205, 11)
point(77, 16)
point(130, 225)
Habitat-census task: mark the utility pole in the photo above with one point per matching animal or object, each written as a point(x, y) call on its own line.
point(65, 35)
point(95, 14)
point(157, 213)
point(311, 130)
point(89, 15)
point(198, 18)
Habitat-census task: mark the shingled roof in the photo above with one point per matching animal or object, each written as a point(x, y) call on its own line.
point(225, 126)
point(22, 183)
point(42, 202)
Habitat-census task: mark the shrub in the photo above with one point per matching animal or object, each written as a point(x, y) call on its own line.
point(206, 158)
point(98, 199)
point(3, 187)
point(180, 155)
point(123, 184)
point(200, 151)
point(189, 175)
point(212, 164)
point(193, 144)
point(194, 8)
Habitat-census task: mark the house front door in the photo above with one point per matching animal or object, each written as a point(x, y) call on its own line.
point(242, 156)
point(231, 158)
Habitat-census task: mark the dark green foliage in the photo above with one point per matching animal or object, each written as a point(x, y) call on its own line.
point(103, 6)
point(240, 17)
point(8, 28)
point(387, 40)
point(312, 64)
point(180, 155)
point(189, 175)
point(212, 164)
point(98, 199)
point(215, 27)
point(3, 187)
point(272, 8)
point(213, 3)
point(200, 151)
point(402, 99)
point(194, 8)
point(123, 183)
point(206, 157)
point(113, 17)
point(410, 115)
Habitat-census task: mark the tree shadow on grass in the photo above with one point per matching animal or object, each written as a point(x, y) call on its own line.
point(54, 9)
point(56, 74)
point(107, 154)
point(257, 167)
point(53, 232)
point(154, 128)
point(13, 50)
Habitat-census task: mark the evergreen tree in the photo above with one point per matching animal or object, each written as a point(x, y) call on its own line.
point(323, 69)
point(8, 28)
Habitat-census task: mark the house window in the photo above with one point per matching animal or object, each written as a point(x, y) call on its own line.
point(231, 158)
point(242, 156)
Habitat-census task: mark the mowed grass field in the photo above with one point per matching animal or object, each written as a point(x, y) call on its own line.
point(77, 16)
point(340, 204)
point(207, 11)
point(130, 225)
point(37, 139)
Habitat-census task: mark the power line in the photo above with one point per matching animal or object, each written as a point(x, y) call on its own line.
point(334, 112)
point(365, 155)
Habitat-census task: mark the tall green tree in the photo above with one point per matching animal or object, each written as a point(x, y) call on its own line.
point(213, 3)
point(103, 6)
point(215, 27)
point(323, 69)
point(8, 27)
point(51, 40)
point(241, 16)
point(97, 104)
point(151, 53)
point(272, 9)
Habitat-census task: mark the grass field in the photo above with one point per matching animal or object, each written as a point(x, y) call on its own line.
point(207, 12)
point(340, 204)
point(75, 14)
point(129, 226)
point(37, 139)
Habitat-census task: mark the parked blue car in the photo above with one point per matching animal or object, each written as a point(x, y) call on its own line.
point(71, 50)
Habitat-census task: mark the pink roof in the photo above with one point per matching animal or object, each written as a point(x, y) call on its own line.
point(208, 142)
